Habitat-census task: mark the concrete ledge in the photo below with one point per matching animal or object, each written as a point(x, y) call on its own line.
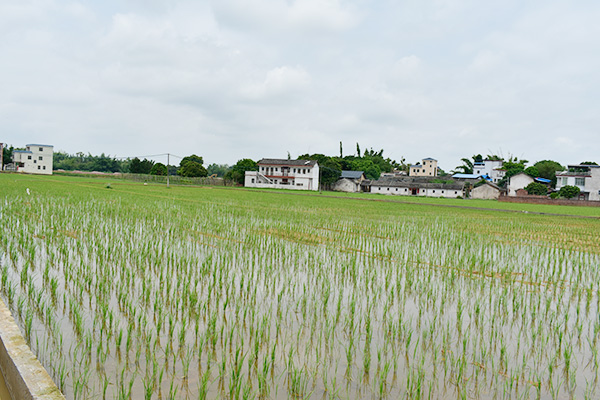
point(25, 377)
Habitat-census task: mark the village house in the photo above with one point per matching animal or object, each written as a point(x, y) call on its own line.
point(417, 187)
point(350, 181)
point(486, 191)
point(284, 174)
point(585, 177)
point(492, 168)
point(35, 159)
point(518, 182)
point(428, 168)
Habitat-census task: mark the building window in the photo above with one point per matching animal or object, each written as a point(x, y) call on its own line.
point(35, 161)
point(579, 181)
point(405, 189)
point(252, 180)
point(39, 167)
point(565, 181)
point(44, 167)
point(434, 191)
point(388, 189)
point(442, 192)
point(41, 149)
point(40, 158)
point(29, 157)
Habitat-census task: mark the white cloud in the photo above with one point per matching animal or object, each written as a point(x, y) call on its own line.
point(305, 15)
point(279, 82)
point(221, 78)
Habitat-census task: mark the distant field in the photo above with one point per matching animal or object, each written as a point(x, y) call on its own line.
point(134, 291)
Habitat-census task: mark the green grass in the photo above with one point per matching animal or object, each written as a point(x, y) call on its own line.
point(226, 292)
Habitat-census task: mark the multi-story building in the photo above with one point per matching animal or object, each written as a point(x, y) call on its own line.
point(428, 168)
point(585, 177)
point(284, 174)
point(491, 168)
point(35, 159)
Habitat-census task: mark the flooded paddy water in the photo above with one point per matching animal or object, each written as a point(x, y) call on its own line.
point(140, 292)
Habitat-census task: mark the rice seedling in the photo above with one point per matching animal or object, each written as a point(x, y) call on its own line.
point(250, 294)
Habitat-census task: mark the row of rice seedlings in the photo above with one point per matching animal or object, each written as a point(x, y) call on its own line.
point(245, 304)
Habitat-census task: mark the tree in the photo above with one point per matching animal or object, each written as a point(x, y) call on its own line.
point(568, 192)
point(536, 188)
point(159, 169)
point(371, 170)
point(192, 169)
point(7, 153)
point(238, 171)
point(588, 163)
point(140, 167)
point(532, 172)
point(217, 169)
point(547, 169)
point(357, 150)
point(466, 167)
point(194, 158)
point(329, 167)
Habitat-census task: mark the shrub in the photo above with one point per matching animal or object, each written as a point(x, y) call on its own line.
point(536, 188)
point(568, 192)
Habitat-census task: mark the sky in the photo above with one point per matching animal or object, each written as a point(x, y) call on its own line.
point(232, 79)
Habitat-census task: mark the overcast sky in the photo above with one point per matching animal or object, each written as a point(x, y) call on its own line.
point(230, 79)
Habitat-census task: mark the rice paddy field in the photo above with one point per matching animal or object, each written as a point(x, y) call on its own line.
point(139, 291)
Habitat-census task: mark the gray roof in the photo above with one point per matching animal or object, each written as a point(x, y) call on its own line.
point(407, 182)
point(22, 151)
point(429, 158)
point(43, 145)
point(352, 174)
point(295, 163)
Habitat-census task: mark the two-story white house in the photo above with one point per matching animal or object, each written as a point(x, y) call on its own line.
point(585, 177)
point(284, 174)
point(428, 168)
point(35, 159)
point(491, 168)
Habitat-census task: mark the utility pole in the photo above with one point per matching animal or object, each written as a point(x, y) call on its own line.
point(168, 169)
point(1, 157)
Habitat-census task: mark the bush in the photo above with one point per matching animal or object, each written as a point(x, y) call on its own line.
point(568, 192)
point(536, 188)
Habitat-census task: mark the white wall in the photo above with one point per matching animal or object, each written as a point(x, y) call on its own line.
point(517, 182)
point(590, 184)
point(38, 159)
point(399, 191)
point(305, 179)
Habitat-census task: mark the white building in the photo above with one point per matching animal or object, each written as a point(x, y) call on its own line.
point(518, 181)
point(417, 187)
point(36, 159)
point(585, 177)
point(284, 174)
point(428, 168)
point(491, 168)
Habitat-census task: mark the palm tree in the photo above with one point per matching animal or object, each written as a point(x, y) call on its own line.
point(466, 167)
